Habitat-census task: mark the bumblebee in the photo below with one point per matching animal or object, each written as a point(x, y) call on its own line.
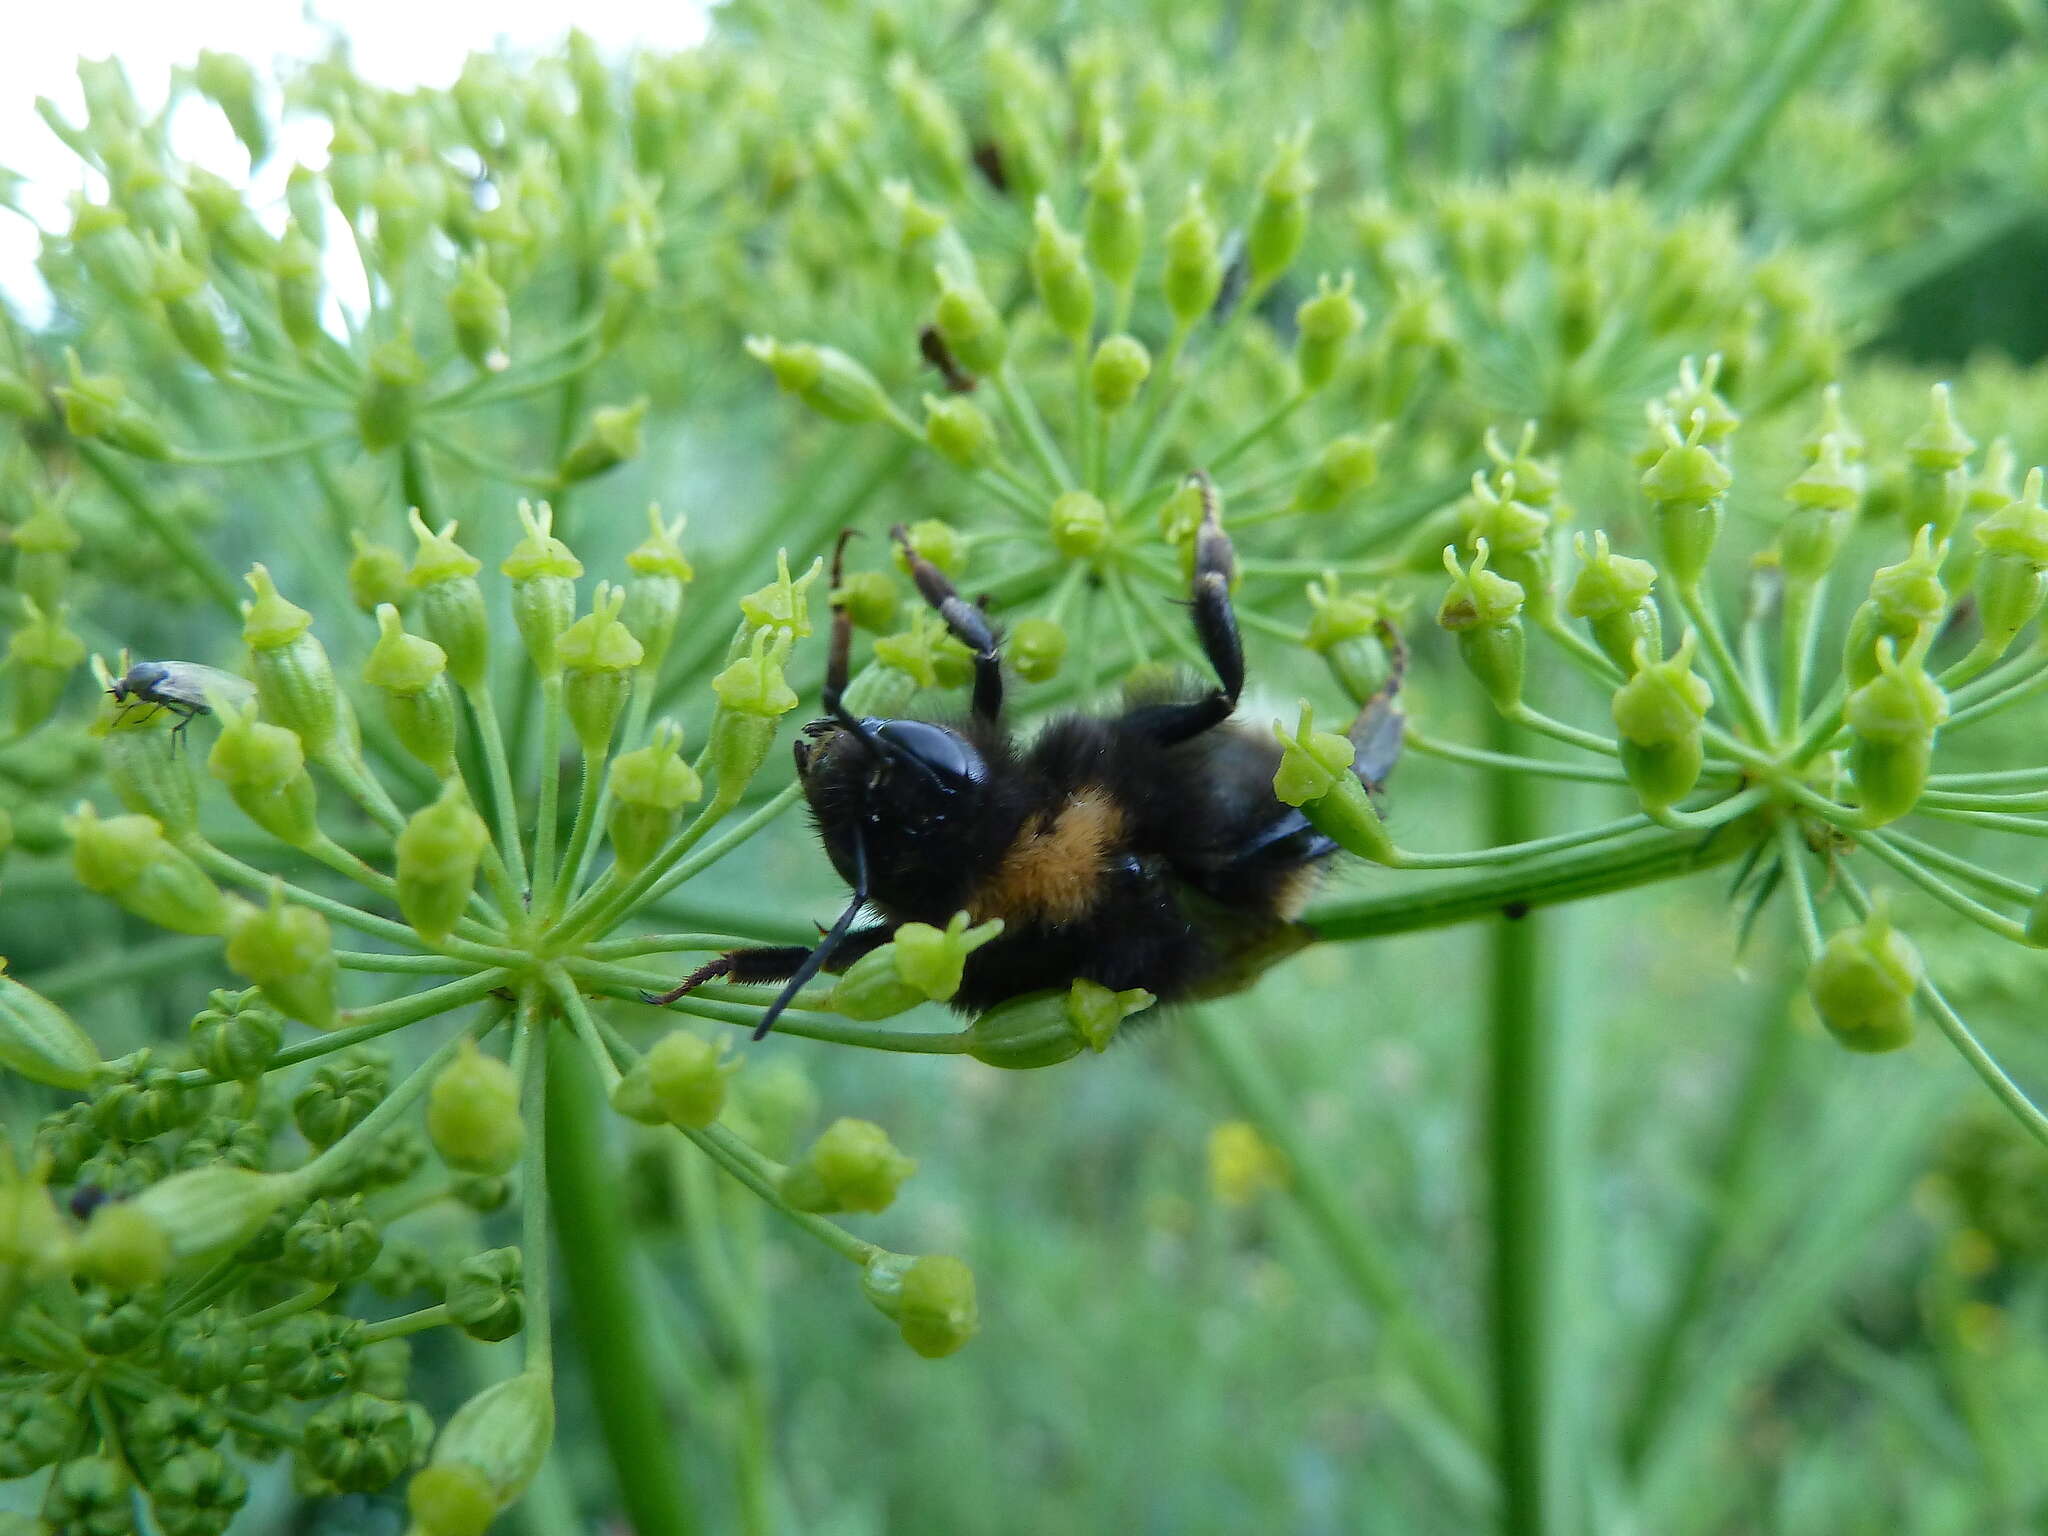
point(1143, 848)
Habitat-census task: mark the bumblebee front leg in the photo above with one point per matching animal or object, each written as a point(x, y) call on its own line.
point(968, 624)
point(1215, 626)
point(772, 963)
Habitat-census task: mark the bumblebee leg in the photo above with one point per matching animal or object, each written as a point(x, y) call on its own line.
point(969, 625)
point(1378, 732)
point(771, 963)
point(1215, 627)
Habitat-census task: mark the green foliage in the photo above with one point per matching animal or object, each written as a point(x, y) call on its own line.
point(1584, 305)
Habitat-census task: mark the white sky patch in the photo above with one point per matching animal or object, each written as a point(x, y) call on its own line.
point(397, 43)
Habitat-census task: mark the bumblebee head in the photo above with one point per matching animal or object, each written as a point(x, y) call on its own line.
point(915, 796)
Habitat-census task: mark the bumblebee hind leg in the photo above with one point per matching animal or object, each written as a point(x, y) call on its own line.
point(768, 964)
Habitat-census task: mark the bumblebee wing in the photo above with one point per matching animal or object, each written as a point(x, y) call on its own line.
point(203, 687)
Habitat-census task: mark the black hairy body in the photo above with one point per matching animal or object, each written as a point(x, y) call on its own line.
point(1140, 848)
point(1107, 855)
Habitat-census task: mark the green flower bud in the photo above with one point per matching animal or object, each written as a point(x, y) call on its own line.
point(934, 126)
point(40, 1041)
point(205, 1351)
point(1046, 1028)
point(473, 1113)
point(294, 679)
point(1658, 712)
point(870, 599)
point(1906, 600)
point(1193, 275)
point(141, 1100)
point(1535, 480)
point(228, 81)
point(752, 696)
point(937, 541)
point(237, 1036)
point(122, 1247)
point(337, 1097)
point(1892, 720)
point(128, 859)
point(438, 853)
point(686, 1076)
point(1484, 611)
point(393, 377)
point(91, 1496)
point(1059, 270)
point(1862, 985)
point(919, 964)
point(296, 267)
point(1941, 445)
point(1113, 222)
point(1316, 774)
point(197, 1490)
point(969, 324)
point(179, 288)
point(487, 1295)
point(1612, 593)
point(206, 1212)
point(41, 656)
point(1687, 486)
point(850, 1167)
point(376, 575)
point(543, 574)
point(2012, 576)
point(43, 547)
point(783, 603)
point(288, 952)
point(1035, 649)
point(1323, 325)
point(360, 1443)
point(1824, 501)
point(97, 407)
point(451, 602)
point(264, 770)
point(147, 771)
point(481, 319)
point(824, 378)
point(35, 1243)
point(650, 786)
point(916, 653)
point(411, 674)
point(598, 655)
point(36, 1429)
point(109, 250)
point(930, 1299)
point(1990, 487)
point(487, 1453)
point(331, 1242)
point(1080, 525)
point(612, 438)
point(312, 1355)
point(1279, 221)
point(1118, 372)
point(918, 223)
point(1346, 464)
point(960, 432)
point(654, 592)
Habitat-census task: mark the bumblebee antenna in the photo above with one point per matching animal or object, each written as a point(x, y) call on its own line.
point(815, 961)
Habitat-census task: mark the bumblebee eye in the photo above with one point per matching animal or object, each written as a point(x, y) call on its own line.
point(943, 754)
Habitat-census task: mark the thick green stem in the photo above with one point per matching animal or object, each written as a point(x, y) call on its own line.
point(606, 1309)
point(1531, 1118)
point(1541, 882)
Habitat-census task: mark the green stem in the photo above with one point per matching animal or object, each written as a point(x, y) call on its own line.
point(607, 1309)
point(1720, 660)
point(1358, 1251)
point(544, 875)
point(1530, 1113)
point(504, 807)
point(1542, 882)
point(1025, 419)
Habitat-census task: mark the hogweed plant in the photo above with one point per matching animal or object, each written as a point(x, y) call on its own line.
point(1508, 451)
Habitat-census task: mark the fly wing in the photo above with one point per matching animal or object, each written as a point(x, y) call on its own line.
point(204, 687)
